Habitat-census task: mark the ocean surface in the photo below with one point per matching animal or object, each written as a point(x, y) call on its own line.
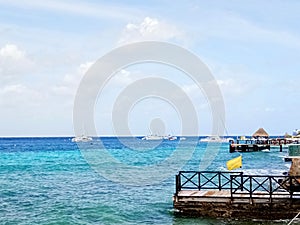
point(49, 180)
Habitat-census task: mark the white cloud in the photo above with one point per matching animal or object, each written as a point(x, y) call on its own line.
point(233, 86)
point(70, 82)
point(19, 95)
point(230, 86)
point(236, 81)
point(191, 89)
point(125, 77)
point(11, 51)
point(150, 29)
point(13, 62)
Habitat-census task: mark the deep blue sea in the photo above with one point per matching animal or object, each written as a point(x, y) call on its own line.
point(49, 181)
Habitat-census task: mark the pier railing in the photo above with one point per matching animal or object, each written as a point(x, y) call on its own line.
point(239, 184)
point(205, 180)
point(264, 186)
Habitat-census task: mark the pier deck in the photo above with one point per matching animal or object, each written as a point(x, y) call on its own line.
point(234, 195)
point(225, 196)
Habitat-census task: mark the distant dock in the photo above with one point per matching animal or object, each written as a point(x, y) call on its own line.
point(235, 195)
point(252, 145)
point(248, 147)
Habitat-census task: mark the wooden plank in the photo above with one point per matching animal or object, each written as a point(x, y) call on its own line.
point(226, 194)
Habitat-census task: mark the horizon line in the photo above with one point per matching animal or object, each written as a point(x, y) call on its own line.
point(71, 136)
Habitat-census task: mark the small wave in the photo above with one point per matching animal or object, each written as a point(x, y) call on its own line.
point(263, 171)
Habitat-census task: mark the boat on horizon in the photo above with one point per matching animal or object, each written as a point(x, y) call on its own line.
point(216, 139)
point(170, 138)
point(153, 137)
point(82, 138)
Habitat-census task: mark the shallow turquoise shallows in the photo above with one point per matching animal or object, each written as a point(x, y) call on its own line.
point(48, 181)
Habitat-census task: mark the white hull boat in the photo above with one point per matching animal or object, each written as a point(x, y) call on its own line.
point(216, 139)
point(152, 138)
point(82, 138)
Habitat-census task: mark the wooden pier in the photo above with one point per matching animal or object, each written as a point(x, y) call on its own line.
point(235, 195)
point(254, 145)
point(248, 147)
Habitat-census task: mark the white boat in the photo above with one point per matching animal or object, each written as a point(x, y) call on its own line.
point(216, 139)
point(170, 138)
point(82, 138)
point(152, 137)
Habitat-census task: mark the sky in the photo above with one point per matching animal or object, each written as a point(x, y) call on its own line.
point(252, 48)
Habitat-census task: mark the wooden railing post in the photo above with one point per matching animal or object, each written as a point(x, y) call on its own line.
point(178, 183)
point(291, 183)
point(220, 184)
point(231, 187)
point(242, 181)
point(250, 177)
point(199, 181)
point(271, 188)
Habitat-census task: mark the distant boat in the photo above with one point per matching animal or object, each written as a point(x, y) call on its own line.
point(82, 138)
point(152, 137)
point(170, 138)
point(216, 139)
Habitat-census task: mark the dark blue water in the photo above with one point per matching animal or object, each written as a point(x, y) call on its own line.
point(48, 181)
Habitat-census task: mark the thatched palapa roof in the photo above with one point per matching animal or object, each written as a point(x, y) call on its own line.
point(286, 135)
point(260, 133)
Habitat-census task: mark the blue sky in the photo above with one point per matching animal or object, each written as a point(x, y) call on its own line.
point(251, 47)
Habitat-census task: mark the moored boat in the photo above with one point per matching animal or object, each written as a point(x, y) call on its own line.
point(152, 137)
point(82, 138)
point(216, 139)
point(170, 138)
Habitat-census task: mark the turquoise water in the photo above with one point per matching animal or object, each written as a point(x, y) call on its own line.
point(48, 181)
